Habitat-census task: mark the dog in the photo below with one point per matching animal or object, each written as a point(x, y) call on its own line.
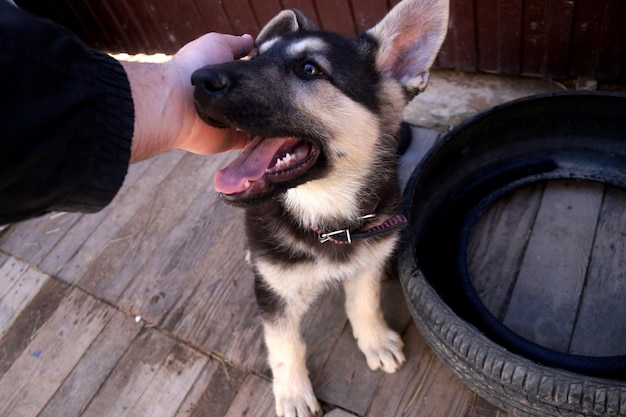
point(319, 178)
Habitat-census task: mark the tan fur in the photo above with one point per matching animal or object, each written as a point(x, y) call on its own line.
point(351, 152)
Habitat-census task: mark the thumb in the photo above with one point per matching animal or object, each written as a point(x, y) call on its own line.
point(240, 45)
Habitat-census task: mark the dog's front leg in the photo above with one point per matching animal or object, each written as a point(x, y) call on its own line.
point(381, 345)
point(292, 387)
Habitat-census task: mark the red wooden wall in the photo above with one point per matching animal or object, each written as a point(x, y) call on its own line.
point(551, 38)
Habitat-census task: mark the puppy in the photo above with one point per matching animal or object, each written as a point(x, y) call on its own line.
point(319, 178)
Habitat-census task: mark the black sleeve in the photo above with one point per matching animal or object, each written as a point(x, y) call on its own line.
point(66, 120)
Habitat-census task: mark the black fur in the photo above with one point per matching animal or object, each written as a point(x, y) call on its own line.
point(270, 304)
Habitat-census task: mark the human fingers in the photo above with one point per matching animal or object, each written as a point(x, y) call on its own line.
point(239, 45)
point(213, 48)
point(207, 139)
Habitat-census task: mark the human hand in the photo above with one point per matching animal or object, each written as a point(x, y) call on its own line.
point(165, 117)
point(212, 48)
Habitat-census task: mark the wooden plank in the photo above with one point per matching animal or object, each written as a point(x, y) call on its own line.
point(546, 31)
point(32, 239)
point(171, 22)
point(49, 240)
point(545, 299)
point(321, 327)
point(368, 13)
point(145, 35)
point(600, 328)
point(499, 28)
point(265, 11)
point(219, 312)
point(338, 412)
point(254, 399)
point(422, 387)
point(482, 408)
point(93, 233)
point(306, 6)
point(170, 384)
point(534, 37)
point(612, 46)
point(335, 16)
point(184, 23)
point(19, 284)
point(3, 257)
point(94, 367)
point(187, 238)
point(95, 31)
point(152, 378)
point(121, 252)
point(26, 325)
point(510, 34)
point(241, 17)
point(213, 16)
point(557, 53)
point(227, 320)
point(214, 391)
point(487, 29)
point(35, 376)
point(498, 243)
point(586, 37)
point(459, 50)
point(10, 272)
point(346, 380)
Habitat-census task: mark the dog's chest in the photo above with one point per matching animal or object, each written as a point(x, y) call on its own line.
point(304, 273)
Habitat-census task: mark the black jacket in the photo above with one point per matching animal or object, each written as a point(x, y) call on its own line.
point(66, 120)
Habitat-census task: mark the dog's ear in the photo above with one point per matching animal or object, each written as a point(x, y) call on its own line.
point(409, 38)
point(283, 23)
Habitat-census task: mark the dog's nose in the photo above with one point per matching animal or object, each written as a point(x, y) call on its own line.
point(212, 81)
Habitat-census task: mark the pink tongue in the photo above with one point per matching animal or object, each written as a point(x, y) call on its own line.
point(250, 165)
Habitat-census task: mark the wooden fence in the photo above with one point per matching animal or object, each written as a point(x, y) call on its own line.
point(550, 38)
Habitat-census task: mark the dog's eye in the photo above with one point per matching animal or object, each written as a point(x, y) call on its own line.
point(310, 68)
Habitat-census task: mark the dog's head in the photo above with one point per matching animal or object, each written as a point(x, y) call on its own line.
point(312, 100)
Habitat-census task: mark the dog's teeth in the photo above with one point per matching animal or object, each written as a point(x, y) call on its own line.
point(248, 184)
point(282, 163)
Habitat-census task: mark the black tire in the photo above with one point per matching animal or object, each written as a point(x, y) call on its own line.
point(568, 135)
point(509, 381)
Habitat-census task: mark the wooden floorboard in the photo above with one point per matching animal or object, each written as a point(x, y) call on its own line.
point(548, 261)
point(147, 308)
point(599, 327)
point(560, 245)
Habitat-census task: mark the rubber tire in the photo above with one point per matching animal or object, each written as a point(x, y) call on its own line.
point(511, 382)
point(565, 135)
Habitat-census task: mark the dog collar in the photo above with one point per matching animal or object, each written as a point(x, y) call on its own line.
point(346, 236)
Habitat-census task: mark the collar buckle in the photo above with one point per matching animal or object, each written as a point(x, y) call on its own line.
point(330, 236)
point(334, 236)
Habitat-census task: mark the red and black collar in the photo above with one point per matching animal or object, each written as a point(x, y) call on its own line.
point(347, 236)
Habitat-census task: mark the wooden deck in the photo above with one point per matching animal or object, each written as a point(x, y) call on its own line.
point(146, 309)
point(548, 261)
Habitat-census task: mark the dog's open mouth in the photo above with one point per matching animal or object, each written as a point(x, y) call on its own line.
point(264, 163)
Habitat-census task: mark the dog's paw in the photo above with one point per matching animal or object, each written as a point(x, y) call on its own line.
point(382, 349)
point(296, 400)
